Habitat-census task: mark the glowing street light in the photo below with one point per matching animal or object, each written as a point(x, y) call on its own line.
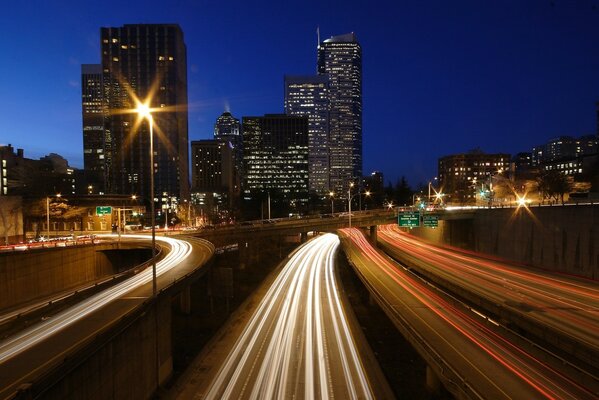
point(143, 110)
point(332, 195)
point(522, 201)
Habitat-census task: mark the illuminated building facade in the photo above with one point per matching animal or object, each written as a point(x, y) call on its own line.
point(461, 176)
point(309, 96)
point(275, 155)
point(146, 59)
point(340, 58)
point(93, 127)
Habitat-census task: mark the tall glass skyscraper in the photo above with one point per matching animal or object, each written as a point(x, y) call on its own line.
point(147, 60)
point(92, 108)
point(309, 96)
point(228, 129)
point(340, 57)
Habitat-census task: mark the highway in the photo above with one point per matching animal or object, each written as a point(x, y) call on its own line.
point(298, 343)
point(46, 342)
point(472, 356)
point(565, 304)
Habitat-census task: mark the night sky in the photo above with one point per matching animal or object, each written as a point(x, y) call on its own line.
point(439, 77)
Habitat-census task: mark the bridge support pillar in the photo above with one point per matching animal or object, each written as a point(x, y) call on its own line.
point(303, 237)
point(373, 235)
point(433, 383)
point(185, 300)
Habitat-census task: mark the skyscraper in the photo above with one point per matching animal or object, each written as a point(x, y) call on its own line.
point(276, 158)
point(227, 129)
point(148, 60)
point(340, 57)
point(309, 96)
point(93, 127)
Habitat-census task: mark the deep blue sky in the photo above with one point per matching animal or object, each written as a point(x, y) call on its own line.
point(439, 77)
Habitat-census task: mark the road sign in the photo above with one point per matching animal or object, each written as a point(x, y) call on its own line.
point(430, 221)
point(409, 219)
point(103, 210)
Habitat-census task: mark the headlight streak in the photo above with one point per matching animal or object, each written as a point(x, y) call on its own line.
point(33, 335)
point(285, 350)
point(561, 303)
point(544, 379)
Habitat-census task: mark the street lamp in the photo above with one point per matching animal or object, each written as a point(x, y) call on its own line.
point(332, 195)
point(350, 197)
point(48, 215)
point(143, 110)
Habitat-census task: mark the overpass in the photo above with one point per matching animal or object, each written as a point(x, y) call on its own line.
point(98, 347)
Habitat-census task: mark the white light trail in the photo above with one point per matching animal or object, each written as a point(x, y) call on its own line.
point(35, 334)
point(298, 343)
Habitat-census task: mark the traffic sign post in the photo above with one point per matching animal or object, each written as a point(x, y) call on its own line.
point(430, 221)
point(103, 210)
point(409, 219)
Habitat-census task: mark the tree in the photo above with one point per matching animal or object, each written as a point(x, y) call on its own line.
point(10, 216)
point(554, 185)
point(403, 191)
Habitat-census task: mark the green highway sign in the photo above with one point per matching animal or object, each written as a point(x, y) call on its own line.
point(409, 219)
point(103, 210)
point(430, 221)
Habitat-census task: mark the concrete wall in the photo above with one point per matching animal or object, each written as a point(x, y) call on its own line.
point(560, 238)
point(120, 363)
point(38, 273)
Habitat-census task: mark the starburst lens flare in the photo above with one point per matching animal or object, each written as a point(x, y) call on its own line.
point(522, 201)
point(143, 110)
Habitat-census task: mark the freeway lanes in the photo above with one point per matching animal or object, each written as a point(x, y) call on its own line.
point(566, 305)
point(44, 344)
point(473, 357)
point(298, 343)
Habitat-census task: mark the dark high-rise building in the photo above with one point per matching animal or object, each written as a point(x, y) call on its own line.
point(212, 166)
point(275, 154)
point(212, 175)
point(309, 96)
point(228, 129)
point(145, 60)
point(340, 57)
point(94, 155)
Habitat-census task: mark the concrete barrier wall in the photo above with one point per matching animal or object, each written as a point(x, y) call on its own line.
point(120, 363)
point(560, 238)
point(38, 273)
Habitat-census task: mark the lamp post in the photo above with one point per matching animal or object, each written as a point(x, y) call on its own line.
point(332, 195)
point(350, 197)
point(144, 112)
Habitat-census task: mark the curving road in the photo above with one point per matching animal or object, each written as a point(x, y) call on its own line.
point(474, 358)
point(298, 343)
point(42, 344)
point(566, 305)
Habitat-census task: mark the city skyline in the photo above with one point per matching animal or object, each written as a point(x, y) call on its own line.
point(429, 84)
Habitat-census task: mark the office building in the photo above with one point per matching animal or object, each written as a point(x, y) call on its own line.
point(309, 96)
point(141, 61)
point(462, 176)
point(212, 166)
point(227, 129)
point(20, 176)
point(275, 154)
point(340, 58)
point(94, 156)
